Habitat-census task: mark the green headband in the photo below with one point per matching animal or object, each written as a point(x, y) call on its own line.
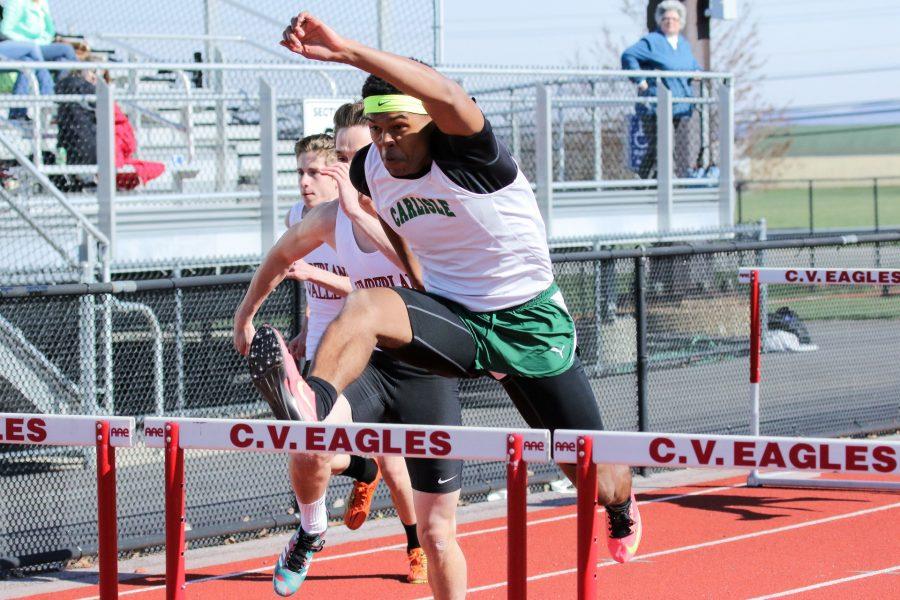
point(393, 103)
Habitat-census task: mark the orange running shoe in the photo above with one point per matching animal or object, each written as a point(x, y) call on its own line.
point(360, 502)
point(418, 566)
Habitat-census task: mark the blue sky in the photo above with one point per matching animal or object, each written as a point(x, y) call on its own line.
point(797, 37)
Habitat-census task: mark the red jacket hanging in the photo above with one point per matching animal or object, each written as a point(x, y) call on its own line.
point(126, 144)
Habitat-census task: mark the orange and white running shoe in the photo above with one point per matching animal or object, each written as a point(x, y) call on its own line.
point(418, 566)
point(624, 533)
point(359, 502)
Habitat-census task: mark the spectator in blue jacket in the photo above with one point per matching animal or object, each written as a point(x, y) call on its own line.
point(665, 50)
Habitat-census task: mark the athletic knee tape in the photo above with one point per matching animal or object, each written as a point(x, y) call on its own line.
point(325, 393)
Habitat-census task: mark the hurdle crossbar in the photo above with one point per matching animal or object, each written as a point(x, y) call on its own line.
point(516, 447)
point(678, 450)
point(756, 276)
point(105, 434)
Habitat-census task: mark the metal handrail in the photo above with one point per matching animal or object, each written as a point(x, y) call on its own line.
point(311, 66)
point(23, 214)
point(169, 36)
point(158, 370)
point(187, 114)
point(631, 183)
point(815, 179)
point(581, 74)
point(54, 191)
point(154, 115)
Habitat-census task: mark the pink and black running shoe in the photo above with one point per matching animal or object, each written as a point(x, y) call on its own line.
point(624, 533)
point(274, 373)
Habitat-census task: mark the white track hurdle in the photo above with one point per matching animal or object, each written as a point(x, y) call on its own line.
point(516, 447)
point(586, 449)
point(105, 434)
point(812, 277)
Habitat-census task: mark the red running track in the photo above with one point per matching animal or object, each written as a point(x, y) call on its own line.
point(718, 540)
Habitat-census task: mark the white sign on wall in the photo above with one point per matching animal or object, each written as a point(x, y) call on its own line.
point(318, 114)
point(727, 10)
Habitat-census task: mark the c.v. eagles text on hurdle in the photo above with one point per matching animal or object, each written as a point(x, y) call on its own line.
point(841, 276)
point(316, 439)
point(753, 454)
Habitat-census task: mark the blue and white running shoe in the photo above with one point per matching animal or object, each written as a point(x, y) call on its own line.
point(293, 564)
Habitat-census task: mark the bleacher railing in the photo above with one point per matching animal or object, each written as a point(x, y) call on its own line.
point(225, 137)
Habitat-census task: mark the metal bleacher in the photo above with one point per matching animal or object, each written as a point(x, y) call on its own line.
point(225, 132)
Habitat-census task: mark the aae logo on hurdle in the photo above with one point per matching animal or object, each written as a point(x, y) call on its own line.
point(726, 451)
point(807, 276)
point(63, 430)
point(465, 443)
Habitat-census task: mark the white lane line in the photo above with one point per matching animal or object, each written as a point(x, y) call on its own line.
point(399, 546)
point(736, 538)
point(831, 582)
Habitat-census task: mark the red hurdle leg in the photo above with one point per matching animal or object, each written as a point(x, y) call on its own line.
point(107, 532)
point(516, 536)
point(588, 521)
point(174, 515)
point(755, 351)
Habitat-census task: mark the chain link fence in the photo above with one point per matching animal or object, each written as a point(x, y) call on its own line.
point(164, 347)
point(240, 30)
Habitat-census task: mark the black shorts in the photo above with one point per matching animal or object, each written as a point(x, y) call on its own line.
point(443, 344)
point(389, 391)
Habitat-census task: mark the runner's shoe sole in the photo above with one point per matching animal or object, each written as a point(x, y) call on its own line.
point(274, 374)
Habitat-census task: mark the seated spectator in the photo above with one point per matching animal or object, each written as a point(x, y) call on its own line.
point(28, 33)
point(126, 146)
point(665, 50)
point(29, 52)
point(77, 121)
point(78, 132)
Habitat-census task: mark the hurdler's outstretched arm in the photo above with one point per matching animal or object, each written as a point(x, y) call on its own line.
point(315, 229)
point(447, 103)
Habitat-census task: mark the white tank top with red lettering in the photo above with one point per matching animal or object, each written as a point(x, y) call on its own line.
point(324, 305)
point(365, 269)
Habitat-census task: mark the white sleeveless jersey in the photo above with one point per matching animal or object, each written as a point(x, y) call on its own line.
point(324, 305)
point(365, 269)
point(485, 251)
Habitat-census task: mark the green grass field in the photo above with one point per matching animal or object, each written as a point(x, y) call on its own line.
point(833, 207)
point(836, 302)
point(843, 309)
